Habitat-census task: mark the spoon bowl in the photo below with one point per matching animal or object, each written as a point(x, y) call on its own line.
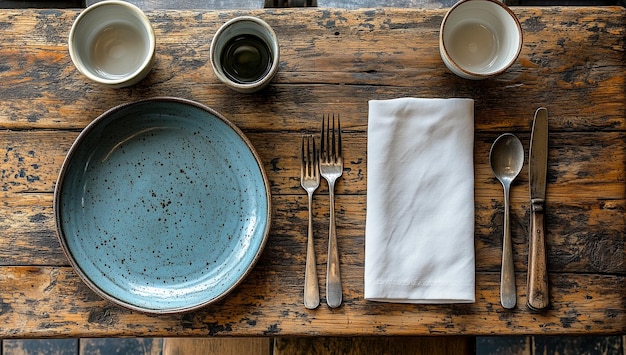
point(507, 159)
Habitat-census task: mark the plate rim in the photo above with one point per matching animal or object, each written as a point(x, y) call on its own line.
point(102, 118)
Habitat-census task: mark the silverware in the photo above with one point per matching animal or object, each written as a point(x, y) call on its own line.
point(507, 159)
point(310, 181)
point(538, 298)
point(331, 167)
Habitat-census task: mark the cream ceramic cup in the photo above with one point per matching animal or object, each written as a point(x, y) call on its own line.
point(112, 43)
point(245, 53)
point(479, 39)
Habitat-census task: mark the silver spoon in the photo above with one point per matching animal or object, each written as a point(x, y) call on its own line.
point(507, 158)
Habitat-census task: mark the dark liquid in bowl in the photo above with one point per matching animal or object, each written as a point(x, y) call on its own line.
point(246, 59)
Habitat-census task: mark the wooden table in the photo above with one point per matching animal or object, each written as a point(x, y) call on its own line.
point(573, 62)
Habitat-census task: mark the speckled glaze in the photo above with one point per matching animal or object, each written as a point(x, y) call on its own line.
point(162, 205)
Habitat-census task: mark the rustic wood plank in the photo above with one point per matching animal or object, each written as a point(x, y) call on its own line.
point(255, 4)
point(497, 345)
point(385, 53)
point(375, 346)
point(37, 296)
point(193, 4)
point(12, 4)
point(586, 162)
point(584, 213)
point(591, 242)
point(40, 347)
point(583, 345)
point(217, 346)
point(117, 346)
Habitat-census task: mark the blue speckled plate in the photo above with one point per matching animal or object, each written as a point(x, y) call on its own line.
point(162, 205)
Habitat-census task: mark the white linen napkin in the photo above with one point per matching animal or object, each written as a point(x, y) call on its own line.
point(419, 234)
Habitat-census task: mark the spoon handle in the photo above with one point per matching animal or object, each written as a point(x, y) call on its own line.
point(507, 273)
point(537, 270)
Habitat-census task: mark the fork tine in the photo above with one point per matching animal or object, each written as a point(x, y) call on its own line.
point(331, 131)
point(315, 163)
point(309, 157)
point(302, 159)
point(323, 143)
point(309, 160)
point(333, 140)
point(309, 163)
point(331, 148)
point(339, 149)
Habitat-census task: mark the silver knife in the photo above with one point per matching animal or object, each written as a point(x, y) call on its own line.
point(538, 165)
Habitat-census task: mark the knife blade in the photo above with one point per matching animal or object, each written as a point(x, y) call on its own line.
point(537, 295)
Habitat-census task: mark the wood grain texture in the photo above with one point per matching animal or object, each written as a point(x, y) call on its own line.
point(512, 345)
point(120, 346)
point(581, 229)
point(573, 62)
point(256, 4)
point(40, 347)
point(217, 346)
point(375, 346)
point(590, 345)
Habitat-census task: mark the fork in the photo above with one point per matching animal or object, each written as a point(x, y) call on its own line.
point(310, 181)
point(331, 168)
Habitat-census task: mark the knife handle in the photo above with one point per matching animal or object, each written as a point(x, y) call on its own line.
point(537, 271)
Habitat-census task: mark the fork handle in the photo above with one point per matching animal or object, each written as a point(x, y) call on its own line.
point(311, 287)
point(333, 276)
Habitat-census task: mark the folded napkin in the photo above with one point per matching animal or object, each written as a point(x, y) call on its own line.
point(419, 234)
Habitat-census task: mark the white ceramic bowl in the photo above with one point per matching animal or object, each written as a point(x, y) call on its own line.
point(479, 38)
point(112, 43)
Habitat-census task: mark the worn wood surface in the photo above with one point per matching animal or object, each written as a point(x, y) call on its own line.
point(458, 345)
point(217, 346)
point(135, 346)
point(84, 346)
point(573, 62)
point(257, 4)
point(39, 347)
